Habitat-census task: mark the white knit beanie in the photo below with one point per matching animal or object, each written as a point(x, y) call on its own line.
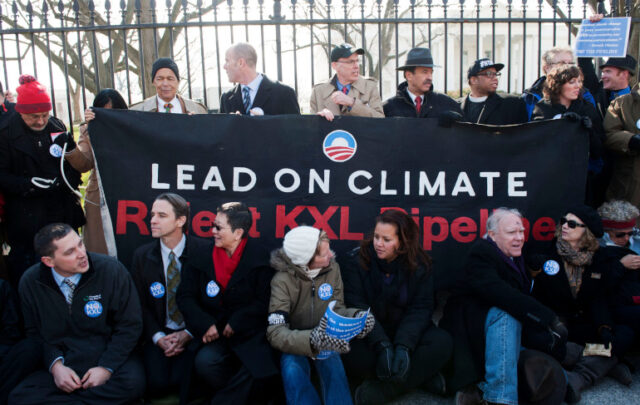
point(300, 244)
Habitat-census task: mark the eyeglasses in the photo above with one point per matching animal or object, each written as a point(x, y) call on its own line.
point(623, 234)
point(349, 62)
point(572, 224)
point(490, 74)
point(218, 227)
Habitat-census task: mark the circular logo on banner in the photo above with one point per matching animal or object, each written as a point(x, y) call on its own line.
point(557, 117)
point(638, 124)
point(339, 146)
point(93, 309)
point(212, 289)
point(551, 267)
point(157, 290)
point(325, 291)
point(55, 150)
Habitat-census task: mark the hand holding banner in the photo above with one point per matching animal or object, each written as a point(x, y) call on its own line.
point(342, 327)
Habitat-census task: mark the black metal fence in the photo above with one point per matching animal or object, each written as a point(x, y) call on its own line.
point(79, 48)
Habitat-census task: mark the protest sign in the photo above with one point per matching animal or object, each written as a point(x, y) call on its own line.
point(341, 327)
point(607, 38)
point(338, 176)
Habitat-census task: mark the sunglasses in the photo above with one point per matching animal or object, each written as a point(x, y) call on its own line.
point(572, 224)
point(490, 74)
point(218, 227)
point(623, 234)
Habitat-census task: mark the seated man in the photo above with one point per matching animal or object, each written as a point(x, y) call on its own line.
point(489, 309)
point(18, 358)
point(156, 272)
point(166, 78)
point(254, 93)
point(83, 310)
point(346, 93)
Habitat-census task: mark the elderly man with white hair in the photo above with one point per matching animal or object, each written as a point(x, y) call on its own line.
point(488, 310)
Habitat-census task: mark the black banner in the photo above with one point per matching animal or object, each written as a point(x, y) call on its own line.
point(338, 176)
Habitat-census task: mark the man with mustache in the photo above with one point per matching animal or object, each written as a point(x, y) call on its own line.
point(483, 105)
point(415, 96)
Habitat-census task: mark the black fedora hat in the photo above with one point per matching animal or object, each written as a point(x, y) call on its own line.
point(418, 57)
point(627, 63)
point(541, 380)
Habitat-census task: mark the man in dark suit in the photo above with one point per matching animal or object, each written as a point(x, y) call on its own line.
point(483, 105)
point(156, 272)
point(254, 93)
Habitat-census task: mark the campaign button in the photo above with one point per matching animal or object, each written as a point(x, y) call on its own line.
point(55, 150)
point(93, 309)
point(551, 267)
point(325, 291)
point(157, 290)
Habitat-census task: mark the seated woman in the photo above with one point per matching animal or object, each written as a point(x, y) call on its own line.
point(81, 159)
point(307, 280)
point(391, 274)
point(573, 280)
point(619, 219)
point(563, 98)
point(224, 304)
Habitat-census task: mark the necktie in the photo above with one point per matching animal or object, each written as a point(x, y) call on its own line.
point(345, 90)
point(168, 107)
point(418, 104)
point(246, 99)
point(173, 280)
point(72, 288)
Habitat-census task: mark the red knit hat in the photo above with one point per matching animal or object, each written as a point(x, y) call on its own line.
point(32, 96)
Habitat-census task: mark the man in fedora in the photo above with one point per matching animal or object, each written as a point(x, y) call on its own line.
point(415, 96)
point(483, 105)
point(166, 78)
point(347, 92)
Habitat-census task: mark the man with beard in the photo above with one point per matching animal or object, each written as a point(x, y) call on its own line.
point(483, 105)
point(37, 192)
point(415, 96)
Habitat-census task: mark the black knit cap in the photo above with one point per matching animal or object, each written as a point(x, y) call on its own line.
point(164, 63)
point(590, 218)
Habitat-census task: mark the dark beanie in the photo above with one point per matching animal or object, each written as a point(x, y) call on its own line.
point(590, 218)
point(164, 63)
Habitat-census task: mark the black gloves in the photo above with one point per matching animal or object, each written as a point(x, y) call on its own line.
point(368, 324)
point(571, 116)
point(392, 364)
point(586, 122)
point(634, 142)
point(401, 362)
point(559, 333)
point(42, 186)
point(385, 359)
point(67, 138)
point(320, 341)
point(606, 335)
point(447, 118)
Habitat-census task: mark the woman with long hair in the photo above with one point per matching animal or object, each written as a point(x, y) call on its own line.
point(391, 274)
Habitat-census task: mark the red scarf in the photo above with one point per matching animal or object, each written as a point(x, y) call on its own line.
point(225, 265)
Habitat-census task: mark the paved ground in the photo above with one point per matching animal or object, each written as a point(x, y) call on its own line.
point(606, 393)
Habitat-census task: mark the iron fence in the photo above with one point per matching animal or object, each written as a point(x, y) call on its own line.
point(80, 48)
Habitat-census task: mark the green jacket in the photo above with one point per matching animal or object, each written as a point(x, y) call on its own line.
point(621, 123)
point(298, 303)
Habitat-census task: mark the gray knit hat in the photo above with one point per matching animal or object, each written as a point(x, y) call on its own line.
point(300, 244)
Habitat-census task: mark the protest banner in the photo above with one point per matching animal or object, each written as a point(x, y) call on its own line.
point(338, 176)
point(342, 327)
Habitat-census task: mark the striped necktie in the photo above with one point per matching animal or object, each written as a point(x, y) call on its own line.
point(246, 99)
point(173, 281)
point(72, 288)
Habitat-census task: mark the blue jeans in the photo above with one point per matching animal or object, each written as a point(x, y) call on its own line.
point(296, 377)
point(502, 349)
